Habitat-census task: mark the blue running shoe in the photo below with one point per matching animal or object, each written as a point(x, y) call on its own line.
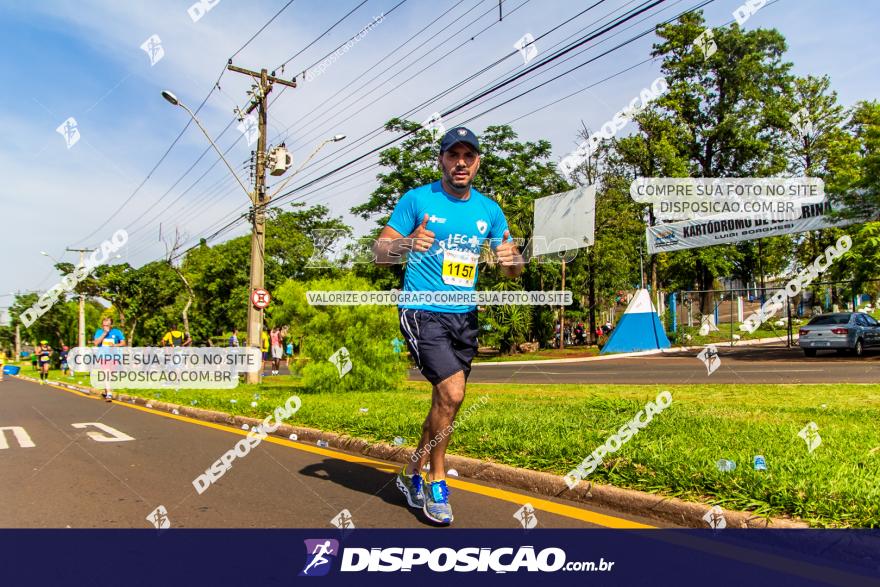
point(413, 487)
point(437, 507)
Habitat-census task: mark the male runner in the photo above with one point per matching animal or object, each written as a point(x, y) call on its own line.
point(44, 351)
point(63, 356)
point(107, 336)
point(446, 224)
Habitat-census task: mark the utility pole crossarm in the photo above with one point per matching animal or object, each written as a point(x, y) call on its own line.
point(255, 74)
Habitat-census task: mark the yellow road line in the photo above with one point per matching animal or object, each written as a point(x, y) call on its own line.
point(500, 494)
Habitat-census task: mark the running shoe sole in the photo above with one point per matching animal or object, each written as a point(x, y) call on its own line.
point(435, 520)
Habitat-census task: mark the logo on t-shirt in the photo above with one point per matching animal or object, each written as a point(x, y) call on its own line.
point(482, 226)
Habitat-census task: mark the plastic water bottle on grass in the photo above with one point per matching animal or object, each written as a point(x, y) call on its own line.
point(725, 465)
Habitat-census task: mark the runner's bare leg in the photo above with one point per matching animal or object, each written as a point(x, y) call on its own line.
point(446, 398)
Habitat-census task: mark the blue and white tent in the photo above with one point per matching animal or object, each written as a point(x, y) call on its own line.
point(639, 328)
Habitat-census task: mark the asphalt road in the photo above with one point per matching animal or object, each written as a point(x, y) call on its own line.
point(738, 365)
point(57, 474)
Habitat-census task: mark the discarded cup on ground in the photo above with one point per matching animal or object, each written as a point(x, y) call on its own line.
point(452, 472)
point(174, 411)
point(245, 427)
point(364, 410)
point(323, 443)
point(149, 405)
point(760, 464)
point(253, 404)
point(293, 437)
point(725, 465)
point(398, 440)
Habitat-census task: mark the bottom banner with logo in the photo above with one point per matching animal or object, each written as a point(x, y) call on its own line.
point(473, 557)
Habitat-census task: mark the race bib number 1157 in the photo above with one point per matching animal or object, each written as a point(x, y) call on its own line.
point(459, 268)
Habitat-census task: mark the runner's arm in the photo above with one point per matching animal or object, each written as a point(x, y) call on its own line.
point(391, 247)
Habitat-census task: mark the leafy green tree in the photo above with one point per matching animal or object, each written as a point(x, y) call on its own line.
point(863, 196)
point(730, 110)
point(366, 332)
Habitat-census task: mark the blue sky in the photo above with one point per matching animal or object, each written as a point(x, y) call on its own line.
point(83, 59)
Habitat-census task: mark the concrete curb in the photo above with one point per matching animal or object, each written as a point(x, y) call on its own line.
point(666, 509)
point(669, 351)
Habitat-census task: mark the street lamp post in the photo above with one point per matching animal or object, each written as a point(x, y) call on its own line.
point(259, 201)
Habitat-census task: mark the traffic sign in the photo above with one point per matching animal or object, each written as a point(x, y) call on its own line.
point(261, 298)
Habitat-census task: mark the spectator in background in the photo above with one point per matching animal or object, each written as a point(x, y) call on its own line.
point(233, 340)
point(264, 346)
point(579, 333)
point(277, 350)
point(176, 338)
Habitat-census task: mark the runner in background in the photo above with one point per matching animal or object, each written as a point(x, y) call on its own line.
point(44, 352)
point(108, 337)
point(64, 366)
point(233, 340)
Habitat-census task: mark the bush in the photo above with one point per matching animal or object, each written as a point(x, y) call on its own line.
point(365, 331)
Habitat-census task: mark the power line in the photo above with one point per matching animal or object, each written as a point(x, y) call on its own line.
point(182, 131)
point(321, 36)
point(217, 87)
point(307, 116)
point(487, 92)
point(541, 63)
point(473, 98)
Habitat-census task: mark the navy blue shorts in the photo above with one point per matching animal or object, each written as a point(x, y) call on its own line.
point(442, 343)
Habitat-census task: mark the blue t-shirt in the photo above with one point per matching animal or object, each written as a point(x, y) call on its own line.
point(114, 336)
point(460, 228)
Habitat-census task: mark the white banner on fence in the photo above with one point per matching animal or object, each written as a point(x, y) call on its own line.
point(703, 232)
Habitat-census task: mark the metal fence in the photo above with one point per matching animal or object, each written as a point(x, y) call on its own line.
point(724, 310)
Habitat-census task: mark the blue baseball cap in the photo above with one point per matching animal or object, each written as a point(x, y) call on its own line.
point(459, 135)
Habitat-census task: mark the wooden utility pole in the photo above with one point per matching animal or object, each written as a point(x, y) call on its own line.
point(259, 199)
point(81, 330)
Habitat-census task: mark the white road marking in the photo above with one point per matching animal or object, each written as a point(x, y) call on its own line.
point(20, 434)
point(115, 435)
